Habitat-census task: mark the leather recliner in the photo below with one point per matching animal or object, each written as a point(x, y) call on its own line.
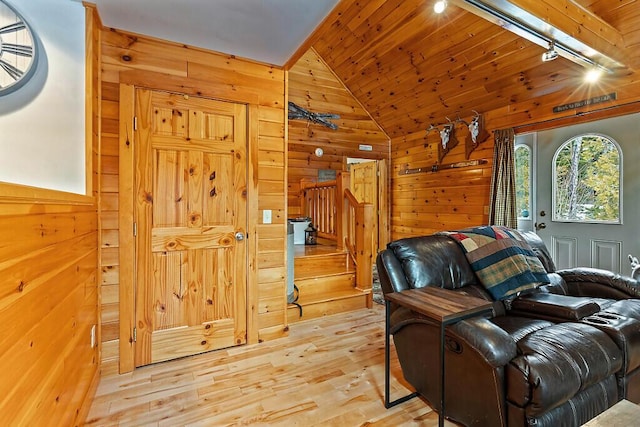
point(558, 356)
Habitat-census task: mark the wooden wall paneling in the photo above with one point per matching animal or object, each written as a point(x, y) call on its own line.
point(126, 238)
point(271, 276)
point(48, 304)
point(253, 292)
point(131, 60)
point(109, 242)
point(425, 203)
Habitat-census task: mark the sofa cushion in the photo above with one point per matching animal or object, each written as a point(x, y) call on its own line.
point(558, 362)
point(502, 259)
point(520, 327)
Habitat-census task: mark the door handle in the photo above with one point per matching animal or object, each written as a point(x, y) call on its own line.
point(540, 226)
point(239, 236)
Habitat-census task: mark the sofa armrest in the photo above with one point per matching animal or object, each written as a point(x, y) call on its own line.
point(597, 283)
point(390, 273)
point(490, 341)
point(554, 307)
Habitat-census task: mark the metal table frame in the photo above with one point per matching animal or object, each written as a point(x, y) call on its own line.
point(457, 318)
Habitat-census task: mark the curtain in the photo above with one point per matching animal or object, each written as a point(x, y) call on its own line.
point(502, 205)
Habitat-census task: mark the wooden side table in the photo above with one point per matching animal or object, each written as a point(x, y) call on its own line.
point(445, 307)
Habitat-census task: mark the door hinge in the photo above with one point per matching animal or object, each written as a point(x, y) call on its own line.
point(135, 122)
point(135, 229)
point(135, 334)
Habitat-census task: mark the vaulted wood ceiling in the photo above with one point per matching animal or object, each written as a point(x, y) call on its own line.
point(410, 67)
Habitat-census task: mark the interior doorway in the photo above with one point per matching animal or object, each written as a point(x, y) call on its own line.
point(369, 183)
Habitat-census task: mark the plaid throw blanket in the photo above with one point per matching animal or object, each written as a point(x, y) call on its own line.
point(501, 258)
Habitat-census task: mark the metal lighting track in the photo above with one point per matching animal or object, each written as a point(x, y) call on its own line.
point(532, 28)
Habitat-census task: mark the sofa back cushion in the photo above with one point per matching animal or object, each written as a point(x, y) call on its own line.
point(433, 261)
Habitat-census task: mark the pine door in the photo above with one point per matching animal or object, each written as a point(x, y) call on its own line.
point(364, 185)
point(190, 217)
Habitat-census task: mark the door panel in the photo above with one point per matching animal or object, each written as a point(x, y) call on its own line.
point(592, 244)
point(191, 201)
point(606, 254)
point(564, 251)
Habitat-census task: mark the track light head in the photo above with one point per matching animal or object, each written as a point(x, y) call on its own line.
point(551, 54)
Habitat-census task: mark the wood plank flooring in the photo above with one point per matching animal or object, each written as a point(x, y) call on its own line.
point(328, 371)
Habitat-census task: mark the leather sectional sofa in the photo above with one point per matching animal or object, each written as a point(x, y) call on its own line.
point(557, 355)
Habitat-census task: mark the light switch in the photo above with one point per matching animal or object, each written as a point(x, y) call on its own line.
point(266, 216)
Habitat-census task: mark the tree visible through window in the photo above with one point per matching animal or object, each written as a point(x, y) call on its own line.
point(587, 180)
point(523, 181)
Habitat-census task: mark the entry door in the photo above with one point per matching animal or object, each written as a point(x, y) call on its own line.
point(591, 244)
point(190, 215)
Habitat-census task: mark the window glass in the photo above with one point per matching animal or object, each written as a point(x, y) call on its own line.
point(586, 172)
point(523, 181)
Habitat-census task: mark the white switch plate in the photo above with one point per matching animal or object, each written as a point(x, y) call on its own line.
point(93, 336)
point(266, 216)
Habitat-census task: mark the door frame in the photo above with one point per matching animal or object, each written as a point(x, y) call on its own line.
point(126, 207)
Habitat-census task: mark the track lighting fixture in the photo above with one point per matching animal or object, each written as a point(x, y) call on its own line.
point(532, 28)
point(551, 54)
point(440, 6)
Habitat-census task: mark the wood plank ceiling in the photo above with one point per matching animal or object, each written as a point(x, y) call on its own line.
point(410, 67)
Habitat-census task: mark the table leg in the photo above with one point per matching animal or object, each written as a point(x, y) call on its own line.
point(441, 413)
point(387, 343)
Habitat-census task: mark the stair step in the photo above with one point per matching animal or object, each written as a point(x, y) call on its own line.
point(328, 304)
point(310, 288)
point(326, 264)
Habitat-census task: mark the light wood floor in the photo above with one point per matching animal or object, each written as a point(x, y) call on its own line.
point(328, 371)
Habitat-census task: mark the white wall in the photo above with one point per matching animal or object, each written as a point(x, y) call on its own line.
point(42, 140)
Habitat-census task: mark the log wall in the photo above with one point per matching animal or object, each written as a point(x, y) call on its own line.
point(313, 86)
point(145, 62)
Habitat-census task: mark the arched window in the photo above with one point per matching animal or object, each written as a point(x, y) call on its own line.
point(587, 180)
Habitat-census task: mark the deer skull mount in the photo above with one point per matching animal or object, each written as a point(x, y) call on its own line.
point(477, 134)
point(448, 140)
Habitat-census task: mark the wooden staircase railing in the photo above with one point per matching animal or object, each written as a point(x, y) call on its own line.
point(359, 239)
point(319, 202)
point(345, 220)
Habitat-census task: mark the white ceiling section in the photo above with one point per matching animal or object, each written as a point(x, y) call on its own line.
point(268, 31)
